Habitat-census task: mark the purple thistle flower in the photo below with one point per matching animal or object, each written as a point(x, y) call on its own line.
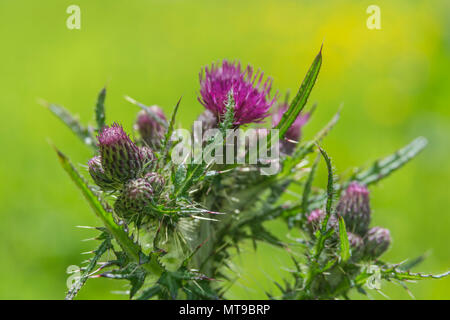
point(98, 174)
point(151, 131)
point(121, 158)
point(354, 207)
point(134, 198)
point(294, 132)
point(377, 241)
point(252, 101)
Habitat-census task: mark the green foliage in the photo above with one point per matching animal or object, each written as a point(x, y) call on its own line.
point(300, 99)
point(345, 246)
point(100, 109)
point(180, 245)
point(85, 134)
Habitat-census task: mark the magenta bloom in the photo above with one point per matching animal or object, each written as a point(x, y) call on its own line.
point(251, 97)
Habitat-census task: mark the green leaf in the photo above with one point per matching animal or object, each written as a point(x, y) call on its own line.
point(78, 284)
point(228, 118)
point(150, 292)
point(85, 134)
point(132, 249)
point(308, 184)
point(325, 233)
point(343, 237)
point(408, 265)
point(168, 136)
point(100, 109)
point(301, 97)
point(178, 175)
point(384, 167)
point(171, 283)
point(308, 147)
point(330, 183)
point(406, 275)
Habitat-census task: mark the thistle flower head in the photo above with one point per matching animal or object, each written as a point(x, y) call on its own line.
point(208, 120)
point(356, 244)
point(148, 158)
point(354, 207)
point(314, 220)
point(251, 96)
point(377, 241)
point(135, 197)
point(156, 181)
point(151, 131)
point(98, 174)
point(120, 157)
point(294, 132)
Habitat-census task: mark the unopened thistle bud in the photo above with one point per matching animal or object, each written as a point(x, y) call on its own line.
point(376, 241)
point(151, 130)
point(148, 158)
point(98, 174)
point(314, 220)
point(356, 245)
point(156, 181)
point(354, 207)
point(208, 120)
point(135, 197)
point(121, 158)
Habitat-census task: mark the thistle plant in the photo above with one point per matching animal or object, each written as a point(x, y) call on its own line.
point(168, 226)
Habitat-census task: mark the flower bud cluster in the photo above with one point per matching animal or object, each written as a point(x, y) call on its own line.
point(124, 167)
point(354, 207)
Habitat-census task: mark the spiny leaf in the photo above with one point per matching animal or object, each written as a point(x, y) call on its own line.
point(106, 217)
point(344, 244)
point(330, 183)
point(408, 265)
point(228, 117)
point(100, 109)
point(301, 97)
point(325, 233)
point(78, 284)
point(150, 292)
point(85, 134)
point(308, 147)
point(384, 167)
point(406, 275)
point(308, 184)
point(168, 136)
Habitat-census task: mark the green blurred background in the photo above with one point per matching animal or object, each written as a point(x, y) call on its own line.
point(393, 83)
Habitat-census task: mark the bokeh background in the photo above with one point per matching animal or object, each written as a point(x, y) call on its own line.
point(393, 82)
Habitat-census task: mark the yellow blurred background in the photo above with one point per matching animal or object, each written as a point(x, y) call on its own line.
point(393, 83)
